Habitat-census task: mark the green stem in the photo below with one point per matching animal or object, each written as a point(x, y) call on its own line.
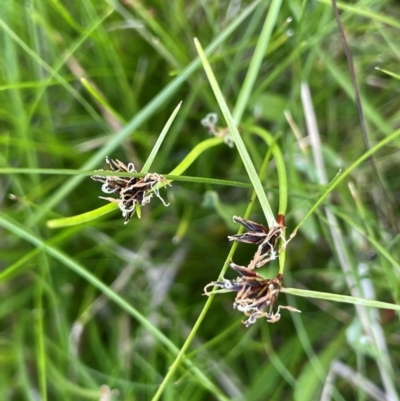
point(280, 164)
point(160, 140)
point(207, 305)
point(83, 217)
point(39, 331)
point(194, 154)
point(282, 183)
point(340, 298)
point(338, 179)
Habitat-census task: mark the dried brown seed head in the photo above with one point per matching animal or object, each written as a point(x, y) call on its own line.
point(132, 192)
point(266, 239)
point(256, 296)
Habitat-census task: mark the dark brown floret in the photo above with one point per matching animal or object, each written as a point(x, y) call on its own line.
point(266, 239)
point(132, 192)
point(254, 294)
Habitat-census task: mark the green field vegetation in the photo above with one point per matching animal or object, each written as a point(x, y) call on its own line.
point(95, 309)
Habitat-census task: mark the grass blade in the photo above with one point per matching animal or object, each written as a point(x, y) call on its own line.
point(340, 298)
point(236, 137)
point(255, 63)
point(160, 140)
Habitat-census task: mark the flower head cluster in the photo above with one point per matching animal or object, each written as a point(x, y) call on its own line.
point(266, 239)
point(256, 295)
point(132, 192)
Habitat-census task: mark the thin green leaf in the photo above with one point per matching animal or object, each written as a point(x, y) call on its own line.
point(236, 137)
point(160, 140)
point(255, 63)
point(100, 98)
point(82, 218)
point(390, 73)
point(338, 179)
point(210, 299)
point(340, 298)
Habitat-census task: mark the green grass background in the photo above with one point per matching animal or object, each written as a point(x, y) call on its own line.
point(103, 303)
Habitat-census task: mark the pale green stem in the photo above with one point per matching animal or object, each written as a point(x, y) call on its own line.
point(340, 298)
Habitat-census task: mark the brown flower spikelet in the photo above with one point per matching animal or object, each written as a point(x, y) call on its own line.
point(131, 191)
point(266, 239)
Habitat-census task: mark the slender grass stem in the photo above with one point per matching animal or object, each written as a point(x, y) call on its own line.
point(207, 305)
point(339, 178)
point(340, 298)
